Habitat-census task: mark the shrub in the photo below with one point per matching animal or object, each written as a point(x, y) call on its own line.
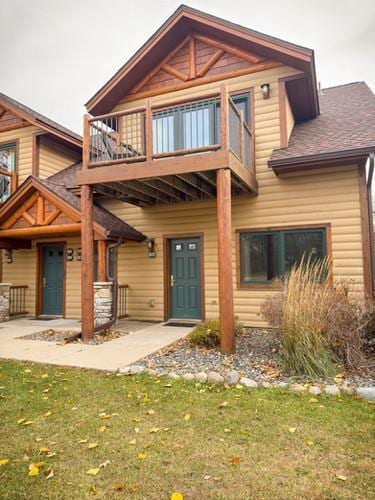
point(207, 334)
point(319, 324)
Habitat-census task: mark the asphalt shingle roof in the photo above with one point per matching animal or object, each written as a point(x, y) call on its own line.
point(346, 123)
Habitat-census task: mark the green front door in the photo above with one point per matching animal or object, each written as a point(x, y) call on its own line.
point(53, 280)
point(185, 279)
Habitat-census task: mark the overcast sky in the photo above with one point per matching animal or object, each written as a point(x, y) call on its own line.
point(55, 54)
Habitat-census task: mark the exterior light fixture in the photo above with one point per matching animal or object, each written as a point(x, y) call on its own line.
point(79, 254)
point(8, 256)
point(151, 247)
point(69, 254)
point(266, 89)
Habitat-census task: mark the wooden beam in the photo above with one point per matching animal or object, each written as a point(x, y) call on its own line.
point(175, 72)
point(35, 155)
point(192, 59)
point(199, 183)
point(18, 213)
point(224, 239)
point(40, 210)
point(213, 59)
point(165, 188)
point(153, 169)
point(224, 121)
point(87, 263)
point(177, 183)
point(87, 243)
point(35, 231)
point(51, 217)
point(102, 260)
point(29, 218)
point(149, 132)
point(149, 190)
point(252, 58)
point(282, 115)
point(123, 188)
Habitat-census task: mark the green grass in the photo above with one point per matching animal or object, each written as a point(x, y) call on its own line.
point(333, 436)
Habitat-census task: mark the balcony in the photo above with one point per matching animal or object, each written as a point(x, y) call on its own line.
point(147, 156)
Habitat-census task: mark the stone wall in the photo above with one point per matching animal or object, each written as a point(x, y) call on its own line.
point(102, 302)
point(4, 301)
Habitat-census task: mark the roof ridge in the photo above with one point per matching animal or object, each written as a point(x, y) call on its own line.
point(39, 116)
point(345, 85)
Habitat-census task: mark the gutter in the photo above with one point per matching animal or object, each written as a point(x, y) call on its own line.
point(370, 216)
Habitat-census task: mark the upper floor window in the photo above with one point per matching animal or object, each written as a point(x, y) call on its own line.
point(193, 125)
point(7, 170)
point(267, 255)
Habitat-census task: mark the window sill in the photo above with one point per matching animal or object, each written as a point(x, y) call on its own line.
point(274, 285)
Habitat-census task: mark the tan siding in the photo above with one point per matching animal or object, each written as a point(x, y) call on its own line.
point(321, 196)
point(23, 272)
point(53, 158)
point(25, 148)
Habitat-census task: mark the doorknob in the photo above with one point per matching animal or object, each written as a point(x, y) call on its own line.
point(172, 281)
point(44, 282)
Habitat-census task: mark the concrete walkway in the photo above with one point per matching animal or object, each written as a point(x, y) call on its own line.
point(109, 356)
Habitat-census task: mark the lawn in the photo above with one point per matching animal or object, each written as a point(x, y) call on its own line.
point(155, 436)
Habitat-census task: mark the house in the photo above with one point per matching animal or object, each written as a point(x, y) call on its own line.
point(210, 165)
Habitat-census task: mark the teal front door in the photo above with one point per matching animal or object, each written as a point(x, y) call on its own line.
point(185, 279)
point(52, 280)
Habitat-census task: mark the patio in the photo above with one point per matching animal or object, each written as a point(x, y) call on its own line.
point(142, 340)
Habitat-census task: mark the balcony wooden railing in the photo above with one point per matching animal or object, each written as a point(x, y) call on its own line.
point(185, 128)
point(122, 305)
point(17, 300)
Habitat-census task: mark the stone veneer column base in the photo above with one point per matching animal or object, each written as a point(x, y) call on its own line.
point(102, 302)
point(4, 302)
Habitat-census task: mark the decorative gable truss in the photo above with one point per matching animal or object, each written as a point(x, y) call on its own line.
point(38, 211)
point(199, 59)
point(10, 121)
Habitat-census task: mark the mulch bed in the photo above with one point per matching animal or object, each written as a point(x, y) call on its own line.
point(62, 336)
point(256, 357)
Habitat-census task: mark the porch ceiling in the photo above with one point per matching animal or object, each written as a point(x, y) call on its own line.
point(169, 189)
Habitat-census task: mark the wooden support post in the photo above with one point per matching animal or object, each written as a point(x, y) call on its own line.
point(149, 139)
point(224, 237)
point(224, 125)
point(87, 244)
point(102, 260)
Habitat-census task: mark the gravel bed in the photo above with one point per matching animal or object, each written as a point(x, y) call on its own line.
point(256, 358)
point(62, 336)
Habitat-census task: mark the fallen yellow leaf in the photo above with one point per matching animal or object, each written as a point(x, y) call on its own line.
point(133, 441)
point(19, 421)
point(234, 460)
point(150, 412)
point(223, 404)
point(34, 471)
point(4, 461)
point(309, 442)
point(292, 430)
point(176, 495)
point(102, 428)
point(142, 456)
point(43, 450)
point(45, 375)
point(154, 430)
point(313, 400)
point(48, 414)
point(82, 441)
point(28, 422)
point(93, 472)
point(92, 445)
point(119, 486)
point(49, 473)
point(38, 464)
point(187, 417)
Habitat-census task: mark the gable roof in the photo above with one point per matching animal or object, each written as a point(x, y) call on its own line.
point(106, 223)
point(344, 129)
point(186, 20)
point(40, 120)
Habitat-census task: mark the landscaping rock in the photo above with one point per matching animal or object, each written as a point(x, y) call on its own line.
point(314, 389)
point(332, 390)
point(125, 370)
point(174, 375)
point(248, 382)
point(136, 369)
point(346, 389)
point(188, 376)
point(266, 385)
point(201, 377)
point(232, 377)
point(297, 388)
point(151, 372)
point(367, 393)
point(215, 377)
point(283, 385)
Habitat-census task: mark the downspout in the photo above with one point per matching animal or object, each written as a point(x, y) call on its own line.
point(114, 281)
point(370, 217)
